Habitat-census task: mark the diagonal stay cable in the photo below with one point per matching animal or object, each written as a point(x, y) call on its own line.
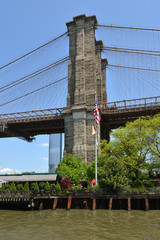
point(31, 75)
point(131, 28)
point(15, 99)
point(136, 51)
point(17, 59)
point(136, 68)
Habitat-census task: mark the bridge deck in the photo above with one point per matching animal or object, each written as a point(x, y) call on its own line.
point(32, 123)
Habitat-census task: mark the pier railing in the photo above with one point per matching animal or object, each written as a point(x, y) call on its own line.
point(79, 192)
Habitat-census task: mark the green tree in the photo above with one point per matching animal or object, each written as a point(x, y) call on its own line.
point(135, 144)
point(7, 186)
point(32, 186)
point(19, 186)
point(3, 188)
point(26, 186)
point(42, 185)
point(72, 167)
point(36, 187)
point(13, 187)
point(57, 186)
point(113, 175)
point(47, 186)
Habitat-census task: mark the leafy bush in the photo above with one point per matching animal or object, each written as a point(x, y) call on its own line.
point(42, 185)
point(36, 188)
point(137, 183)
point(57, 186)
point(143, 176)
point(19, 187)
point(112, 176)
point(13, 187)
point(7, 186)
point(2, 189)
point(149, 184)
point(26, 186)
point(73, 168)
point(66, 183)
point(132, 176)
point(52, 186)
point(32, 186)
point(74, 188)
point(139, 190)
point(47, 186)
point(94, 188)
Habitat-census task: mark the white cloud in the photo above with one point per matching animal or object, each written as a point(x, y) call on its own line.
point(45, 158)
point(8, 171)
point(45, 144)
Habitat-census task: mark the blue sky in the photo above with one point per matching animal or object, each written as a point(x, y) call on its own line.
point(27, 24)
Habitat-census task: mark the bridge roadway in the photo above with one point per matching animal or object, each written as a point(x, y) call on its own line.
point(26, 125)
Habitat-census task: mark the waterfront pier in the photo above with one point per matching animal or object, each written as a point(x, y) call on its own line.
point(79, 200)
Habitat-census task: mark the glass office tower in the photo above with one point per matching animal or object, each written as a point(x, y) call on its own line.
point(55, 151)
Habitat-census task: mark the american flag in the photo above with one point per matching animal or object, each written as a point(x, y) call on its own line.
point(96, 112)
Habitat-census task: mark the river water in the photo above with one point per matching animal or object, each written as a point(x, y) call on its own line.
point(79, 225)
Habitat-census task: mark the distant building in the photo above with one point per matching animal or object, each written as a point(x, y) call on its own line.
point(55, 151)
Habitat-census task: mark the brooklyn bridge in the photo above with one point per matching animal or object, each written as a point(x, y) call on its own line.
point(52, 88)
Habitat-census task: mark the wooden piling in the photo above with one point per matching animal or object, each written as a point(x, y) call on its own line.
point(129, 204)
point(41, 206)
point(110, 204)
point(55, 203)
point(146, 204)
point(69, 203)
point(94, 204)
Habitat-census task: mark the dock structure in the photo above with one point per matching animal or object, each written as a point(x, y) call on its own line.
point(28, 201)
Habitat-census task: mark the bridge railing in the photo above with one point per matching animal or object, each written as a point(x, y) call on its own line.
point(132, 105)
point(31, 115)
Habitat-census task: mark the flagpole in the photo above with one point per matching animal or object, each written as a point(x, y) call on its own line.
point(95, 149)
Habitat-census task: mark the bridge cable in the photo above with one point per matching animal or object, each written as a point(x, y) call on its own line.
point(17, 59)
point(31, 75)
point(131, 28)
point(33, 91)
point(136, 68)
point(135, 51)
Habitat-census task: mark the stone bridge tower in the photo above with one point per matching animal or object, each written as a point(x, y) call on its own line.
point(86, 75)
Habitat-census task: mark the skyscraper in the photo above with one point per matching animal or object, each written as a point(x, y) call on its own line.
point(55, 151)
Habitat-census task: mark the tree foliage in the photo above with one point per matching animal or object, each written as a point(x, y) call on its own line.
point(13, 187)
point(113, 175)
point(72, 167)
point(57, 186)
point(137, 144)
point(36, 187)
point(133, 152)
point(3, 187)
point(19, 186)
point(42, 185)
point(47, 186)
point(26, 186)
